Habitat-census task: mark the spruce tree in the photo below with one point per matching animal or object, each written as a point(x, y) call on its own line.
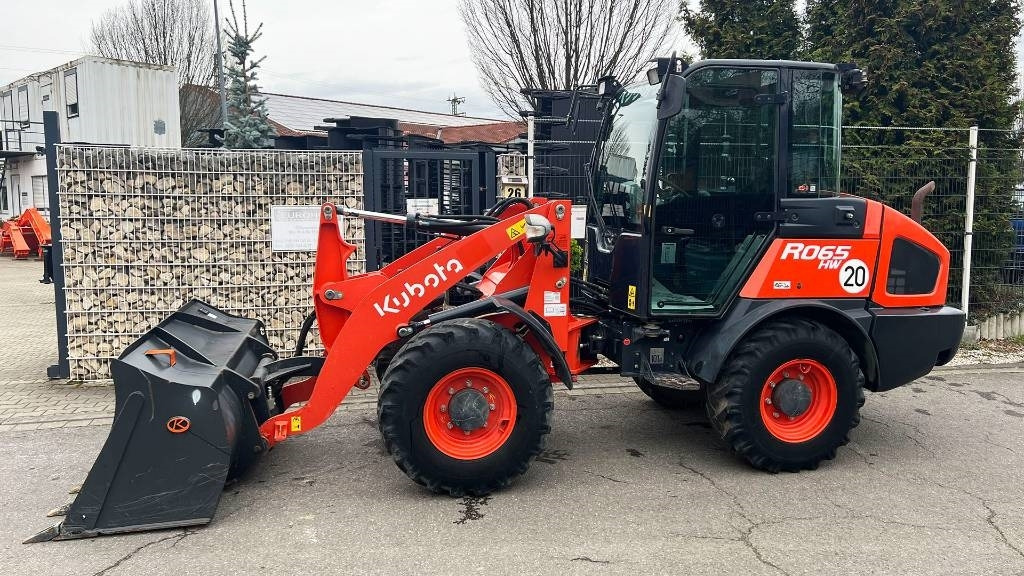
point(761, 29)
point(941, 64)
point(246, 125)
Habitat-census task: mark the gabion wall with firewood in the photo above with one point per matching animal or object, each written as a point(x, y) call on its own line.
point(144, 231)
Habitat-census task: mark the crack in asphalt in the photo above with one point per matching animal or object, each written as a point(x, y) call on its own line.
point(860, 454)
point(752, 525)
point(989, 441)
point(616, 480)
point(177, 537)
point(903, 432)
point(991, 520)
point(996, 396)
point(589, 559)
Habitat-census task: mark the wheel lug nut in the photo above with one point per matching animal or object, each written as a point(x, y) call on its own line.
point(785, 374)
point(444, 408)
point(771, 384)
point(450, 426)
point(491, 407)
point(768, 401)
point(466, 432)
point(469, 383)
point(776, 414)
point(484, 390)
point(451, 391)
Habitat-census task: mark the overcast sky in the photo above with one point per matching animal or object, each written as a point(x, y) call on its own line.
point(407, 53)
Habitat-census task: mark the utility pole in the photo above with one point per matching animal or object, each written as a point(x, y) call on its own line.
point(455, 101)
point(220, 68)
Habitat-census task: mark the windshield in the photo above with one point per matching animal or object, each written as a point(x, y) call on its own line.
point(623, 155)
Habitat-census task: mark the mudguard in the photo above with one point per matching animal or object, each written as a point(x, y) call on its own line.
point(710, 350)
point(504, 303)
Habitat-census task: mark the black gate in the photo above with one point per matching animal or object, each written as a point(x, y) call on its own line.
point(440, 182)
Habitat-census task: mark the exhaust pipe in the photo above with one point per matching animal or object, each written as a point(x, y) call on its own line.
point(917, 205)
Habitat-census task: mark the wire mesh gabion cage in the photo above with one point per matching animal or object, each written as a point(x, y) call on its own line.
point(146, 230)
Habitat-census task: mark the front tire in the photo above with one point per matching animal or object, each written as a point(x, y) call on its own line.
point(789, 396)
point(465, 407)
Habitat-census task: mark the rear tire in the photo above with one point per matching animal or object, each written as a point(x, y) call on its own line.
point(793, 349)
point(671, 398)
point(383, 359)
point(465, 355)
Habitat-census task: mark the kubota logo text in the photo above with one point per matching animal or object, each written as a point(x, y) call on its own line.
point(829, 257)
point(395, 304)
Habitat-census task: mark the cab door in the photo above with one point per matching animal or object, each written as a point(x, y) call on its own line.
point(718, 169)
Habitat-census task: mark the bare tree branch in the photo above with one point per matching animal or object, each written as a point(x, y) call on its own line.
point(175, 33)
point(560, 44)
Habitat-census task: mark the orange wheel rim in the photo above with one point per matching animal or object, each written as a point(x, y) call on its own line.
point(796, 421)
point(469, 413)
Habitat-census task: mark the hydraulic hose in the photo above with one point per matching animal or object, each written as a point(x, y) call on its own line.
point(307, 324)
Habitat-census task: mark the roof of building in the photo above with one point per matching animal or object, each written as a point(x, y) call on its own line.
point(491, 132)
point(304, 113)
point(495, 132)
point(297, 116)
point(77, 62)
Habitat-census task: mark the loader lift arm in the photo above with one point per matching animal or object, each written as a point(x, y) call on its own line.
point(359, 315)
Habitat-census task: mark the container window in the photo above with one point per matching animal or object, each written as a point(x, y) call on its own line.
point(913, 269)
point(7, 108)
point(71, 92)
point(23, 111)
point(7, 119)
point(40, 199)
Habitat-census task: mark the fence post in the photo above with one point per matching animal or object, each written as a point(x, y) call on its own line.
point(51, 132)
point(972, 173)
point(531, 136)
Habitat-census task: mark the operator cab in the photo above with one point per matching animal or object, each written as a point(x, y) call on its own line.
point(691, 171)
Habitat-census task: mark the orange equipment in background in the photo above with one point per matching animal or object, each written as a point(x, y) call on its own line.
point(25, 234)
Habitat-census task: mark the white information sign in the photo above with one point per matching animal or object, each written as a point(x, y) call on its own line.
point(421, 206)
point(555, 309)
point(294, 228)
point(579, 221)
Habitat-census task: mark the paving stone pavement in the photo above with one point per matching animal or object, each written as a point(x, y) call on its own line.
point(28, 344)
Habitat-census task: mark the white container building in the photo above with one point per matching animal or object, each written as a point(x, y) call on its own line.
point(98, 101)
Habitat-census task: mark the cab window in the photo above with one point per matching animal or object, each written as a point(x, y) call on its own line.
point(624, 156)
point(717, 170)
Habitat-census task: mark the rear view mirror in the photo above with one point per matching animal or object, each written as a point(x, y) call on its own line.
point(670, 99)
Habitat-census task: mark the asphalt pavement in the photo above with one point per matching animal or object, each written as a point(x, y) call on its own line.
point(931, 484)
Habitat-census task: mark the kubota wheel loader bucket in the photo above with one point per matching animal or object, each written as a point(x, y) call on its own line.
point(186, 421)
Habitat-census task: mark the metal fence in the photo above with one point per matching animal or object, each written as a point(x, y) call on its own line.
point(146, 230)
point(890, 164)
point(402, 181)
point(20, 136)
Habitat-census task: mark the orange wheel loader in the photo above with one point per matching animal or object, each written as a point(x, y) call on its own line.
point(722, 267)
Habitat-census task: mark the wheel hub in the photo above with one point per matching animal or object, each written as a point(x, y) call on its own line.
point(798, 400)
point(468, 409)
point(791, 397)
